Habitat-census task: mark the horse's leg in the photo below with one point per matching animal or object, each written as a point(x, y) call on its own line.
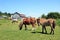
point(42, 28)
point(13, 22)
point(52, 29)
point(25, 27)
point(45, 30)
point(53, 25)
point(33, 27)
point(38, 24)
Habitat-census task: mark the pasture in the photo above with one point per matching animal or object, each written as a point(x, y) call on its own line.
point(9, 31)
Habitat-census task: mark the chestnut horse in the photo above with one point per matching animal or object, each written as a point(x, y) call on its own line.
point(46, 22)
point(27, 21)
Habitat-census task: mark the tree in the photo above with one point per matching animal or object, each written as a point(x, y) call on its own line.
point(43, 16)
point(5, 13)
point(54, 15)
point(9, 14)
point(0, 13)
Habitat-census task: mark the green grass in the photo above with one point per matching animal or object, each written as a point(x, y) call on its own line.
point(58, 22)
point(9, 31)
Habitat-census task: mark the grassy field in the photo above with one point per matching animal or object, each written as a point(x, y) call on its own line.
point(9, 31)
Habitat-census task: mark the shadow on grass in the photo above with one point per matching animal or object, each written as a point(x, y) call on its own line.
point(41, 33)
point(0, 24)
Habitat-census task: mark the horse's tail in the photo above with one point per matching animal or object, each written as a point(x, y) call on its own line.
point(54, 24)
point(20, 25)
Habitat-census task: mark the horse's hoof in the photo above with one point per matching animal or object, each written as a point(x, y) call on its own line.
point(50, 33)
point(25, 29)
point(20, 29)
point(53, 33)
point(43, 32)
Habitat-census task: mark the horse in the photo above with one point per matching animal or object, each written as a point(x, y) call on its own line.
point(46, 22)
point(27, 21)
point(14, 20)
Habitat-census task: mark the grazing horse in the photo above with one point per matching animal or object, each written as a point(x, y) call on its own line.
point(14, 20)
point(46, 22)
point(28, 21)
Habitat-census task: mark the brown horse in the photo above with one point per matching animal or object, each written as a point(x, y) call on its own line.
point(27, 21)
point(46, 22)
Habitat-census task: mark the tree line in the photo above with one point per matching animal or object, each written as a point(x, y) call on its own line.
point(55, 15)
point(5, 13)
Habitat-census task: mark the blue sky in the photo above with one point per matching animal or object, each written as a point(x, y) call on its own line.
point(34, 8)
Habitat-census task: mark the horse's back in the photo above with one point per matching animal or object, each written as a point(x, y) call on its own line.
point(29, 20)
point(51, 20)
point(41, 20)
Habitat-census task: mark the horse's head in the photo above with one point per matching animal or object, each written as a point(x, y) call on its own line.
point(41, 21)
point(38, 22)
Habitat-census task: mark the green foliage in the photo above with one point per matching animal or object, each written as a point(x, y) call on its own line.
point(5, 13)
point(0, 13)
point(9, 14)
point(54, 15)
point(43, 16)
point(58, 22)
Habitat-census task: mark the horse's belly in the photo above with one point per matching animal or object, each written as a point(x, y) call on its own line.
point(46, 24)
point(28, 23)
